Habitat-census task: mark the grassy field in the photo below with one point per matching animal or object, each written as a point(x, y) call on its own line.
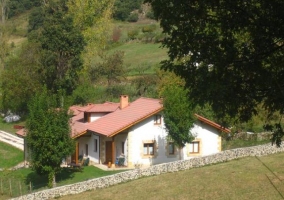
point(9, 127)
point(27, 178)
point(140, 55)
point(247, 178)
point(238, 143)
point(10, 156)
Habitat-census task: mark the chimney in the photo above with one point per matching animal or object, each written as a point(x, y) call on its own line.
point(123, 101)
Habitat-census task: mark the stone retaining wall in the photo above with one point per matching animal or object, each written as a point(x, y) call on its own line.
point(153, 170)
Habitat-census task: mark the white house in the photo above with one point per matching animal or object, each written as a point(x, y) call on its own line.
point(136, 130)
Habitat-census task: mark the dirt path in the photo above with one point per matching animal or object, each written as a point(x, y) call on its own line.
point(12, 140)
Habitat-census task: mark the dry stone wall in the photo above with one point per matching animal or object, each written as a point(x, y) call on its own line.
point(107, 181)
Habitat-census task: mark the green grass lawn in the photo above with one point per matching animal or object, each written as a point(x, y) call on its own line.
point(29, 179)
point(8, 127)
point(238, 143)
point(10, 156)
point(141, 54)
point(246, 179)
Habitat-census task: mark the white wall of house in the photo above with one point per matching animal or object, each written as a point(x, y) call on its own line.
point(95, 116)
point(208, 137)
point(146, 132)
point(90, 142)
point(121, 145)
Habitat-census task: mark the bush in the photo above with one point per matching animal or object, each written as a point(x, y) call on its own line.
point(116, 34)
point(133, 17)
point(150, 15)
point(132, 34)
point(149, 28)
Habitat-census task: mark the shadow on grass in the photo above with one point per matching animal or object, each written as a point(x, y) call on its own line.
point(36, 181)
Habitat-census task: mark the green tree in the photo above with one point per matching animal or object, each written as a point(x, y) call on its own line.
point(94, 20)
point(48, 135)
point(20, 79)
point(178, 111)
point(62, 44)
point(5, 48)
point(111, 68)
point(230, 53)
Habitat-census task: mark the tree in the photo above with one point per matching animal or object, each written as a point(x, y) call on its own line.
point(178, 111)
point(5, 48)
point(62, 44)
point(111, 68)
point(230, 53)
point(20, 79)
point(48, 135)
point(93, 18)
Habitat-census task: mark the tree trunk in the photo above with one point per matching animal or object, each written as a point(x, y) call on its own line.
point(180, 149)
point(53, 181)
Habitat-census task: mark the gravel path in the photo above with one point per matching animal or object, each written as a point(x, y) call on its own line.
point(12, 140)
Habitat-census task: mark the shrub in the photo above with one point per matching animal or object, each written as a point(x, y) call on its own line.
point(133, 17)
point(150, 14)
point(149, 28)
point(116, 34)
point(132, 34)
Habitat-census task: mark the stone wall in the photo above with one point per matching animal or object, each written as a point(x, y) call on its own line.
point(153, 170)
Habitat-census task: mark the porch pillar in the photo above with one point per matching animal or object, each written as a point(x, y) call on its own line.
point(113, 153)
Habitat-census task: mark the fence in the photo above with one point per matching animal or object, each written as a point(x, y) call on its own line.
point(153, 170)
point(10, 187)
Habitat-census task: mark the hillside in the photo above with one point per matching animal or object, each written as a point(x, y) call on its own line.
point(247, 178)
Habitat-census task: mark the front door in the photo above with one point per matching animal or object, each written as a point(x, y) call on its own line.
point(108, 151)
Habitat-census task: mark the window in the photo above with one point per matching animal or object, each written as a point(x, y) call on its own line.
point(96, 145)
point(157, 119)
point(194, 147)
point(171, 148)
point(122, 147)
point(148, 149)
point(87, 150)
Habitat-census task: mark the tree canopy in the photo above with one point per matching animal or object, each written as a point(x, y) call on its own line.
point(178, 111)
point(230, 53)
point(48, 135)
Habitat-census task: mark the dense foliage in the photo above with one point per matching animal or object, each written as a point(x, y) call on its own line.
point(178, 111)
point(229, 52)
point(123, 8)
point(48, 135)
point(16, 7)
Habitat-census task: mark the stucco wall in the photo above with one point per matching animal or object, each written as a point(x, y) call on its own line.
point(90, 140)
point(153, 170)
point(147, 131)
point(208, 137)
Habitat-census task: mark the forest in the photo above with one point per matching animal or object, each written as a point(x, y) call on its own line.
point(92, 52)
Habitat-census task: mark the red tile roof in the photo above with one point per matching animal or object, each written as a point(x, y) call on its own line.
point(119, 120)
point(211, 123)
point(105, 107)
